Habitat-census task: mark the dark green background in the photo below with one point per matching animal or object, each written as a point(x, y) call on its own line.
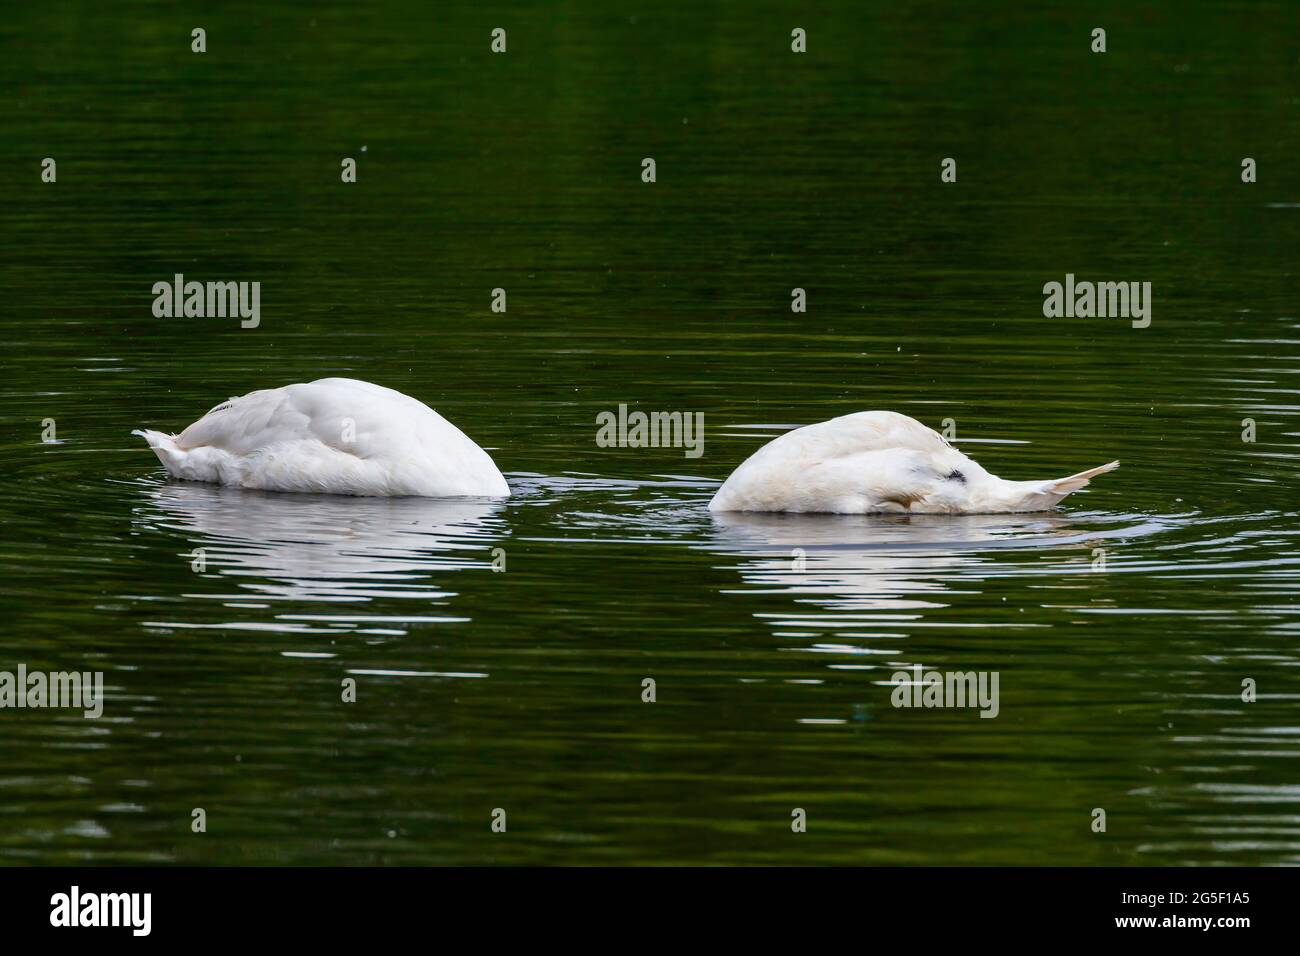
point(1119, 690)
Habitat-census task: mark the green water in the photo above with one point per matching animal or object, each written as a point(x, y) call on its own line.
point(522, 690)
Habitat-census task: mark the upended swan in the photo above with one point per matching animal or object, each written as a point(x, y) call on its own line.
point(336, 436)
point(880, 463)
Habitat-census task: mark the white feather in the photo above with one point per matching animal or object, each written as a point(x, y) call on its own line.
point(879, 463)
point(333, 436)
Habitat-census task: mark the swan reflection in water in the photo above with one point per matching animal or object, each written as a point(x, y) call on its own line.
point(855, 572)
point(861, 586)
point(283, 549)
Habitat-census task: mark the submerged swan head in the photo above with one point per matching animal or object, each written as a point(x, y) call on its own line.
point(880, 463)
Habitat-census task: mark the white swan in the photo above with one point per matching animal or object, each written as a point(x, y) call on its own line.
point(335, 436)
point(880, 463)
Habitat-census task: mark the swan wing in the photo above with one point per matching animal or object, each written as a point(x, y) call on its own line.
point(865, 432)
point(345, 414)
point(868, 461)
point(247, 422)
point(336, 435)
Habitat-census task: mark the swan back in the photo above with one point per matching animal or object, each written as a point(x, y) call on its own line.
point(333, 435)
point(878, 462)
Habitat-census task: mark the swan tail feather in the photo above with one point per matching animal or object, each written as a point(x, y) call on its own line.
point(1072, 483)
point(164, 446)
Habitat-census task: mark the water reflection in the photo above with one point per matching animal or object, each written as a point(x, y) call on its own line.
point(878, 562)
point(279, 550)
point(878, 577)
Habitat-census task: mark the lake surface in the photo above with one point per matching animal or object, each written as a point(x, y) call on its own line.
point(1122, 626)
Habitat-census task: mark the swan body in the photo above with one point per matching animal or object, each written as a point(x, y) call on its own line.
point(334, 436)
point(880, 463)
